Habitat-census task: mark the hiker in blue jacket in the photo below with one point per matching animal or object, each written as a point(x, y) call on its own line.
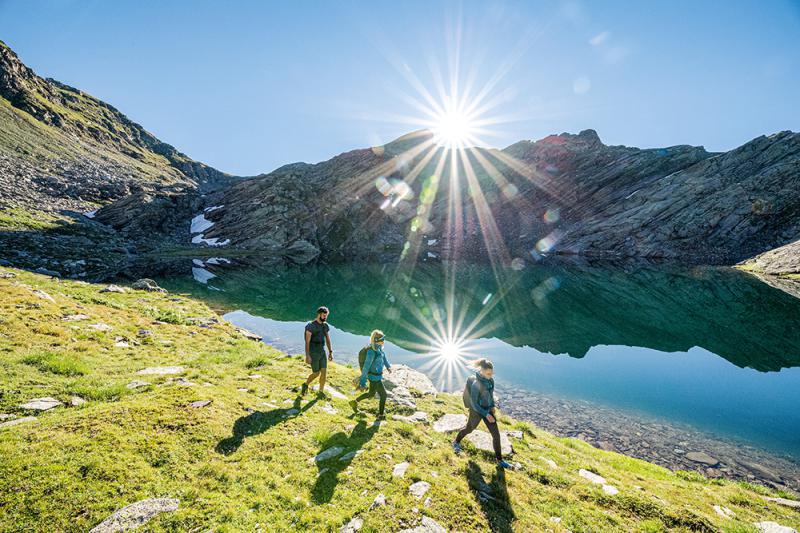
point(479, 398)
point(372, 371)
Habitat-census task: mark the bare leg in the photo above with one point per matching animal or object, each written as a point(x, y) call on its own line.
point(312, 377)
point(323, 374)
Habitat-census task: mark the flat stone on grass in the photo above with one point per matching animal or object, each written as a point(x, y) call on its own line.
point(135, 384)
point(450, 422)
point(355, 524)
point(591, 476)
point(328, 408)
point(41, 404)
point(379, 501)
point(160, 370)
point(332, 391)
point(329, 454)
point(17, 421)
point(399, 469)
point(135, 515)
point(783, 501)
point(419, 489)
point(77, 401)
point(773, 527)
point(200, 403)
point(483, 441)
point(418, 416)
point(427, 525)
point(724, 512)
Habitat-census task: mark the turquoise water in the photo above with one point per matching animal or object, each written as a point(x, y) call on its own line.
point(713, 348)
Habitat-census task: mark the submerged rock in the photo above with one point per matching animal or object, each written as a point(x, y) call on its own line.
point(135, 515)
point(702, 457)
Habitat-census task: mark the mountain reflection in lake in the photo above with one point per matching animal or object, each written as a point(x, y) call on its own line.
point(711, 347)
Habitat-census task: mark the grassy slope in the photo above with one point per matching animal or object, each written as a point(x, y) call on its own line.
point(76, 465)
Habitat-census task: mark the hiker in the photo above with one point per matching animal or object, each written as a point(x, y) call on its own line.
point(316, 338)
point(479, 399)
point(374, 361)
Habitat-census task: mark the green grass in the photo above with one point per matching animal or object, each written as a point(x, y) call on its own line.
point(56, 363)
point(242, 464)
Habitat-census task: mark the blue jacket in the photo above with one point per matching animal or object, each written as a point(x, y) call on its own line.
point(481, 394)
point(373, 365)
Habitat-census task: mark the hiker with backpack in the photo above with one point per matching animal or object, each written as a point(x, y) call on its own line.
point(479, 399)
point(373, 360)
point(316, 337)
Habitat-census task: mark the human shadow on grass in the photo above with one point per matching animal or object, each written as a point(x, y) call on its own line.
point(492, 497)
point(259, 422)
point(329, 469)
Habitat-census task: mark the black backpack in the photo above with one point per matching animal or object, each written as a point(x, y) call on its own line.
point(467, 395)
point(362, 357)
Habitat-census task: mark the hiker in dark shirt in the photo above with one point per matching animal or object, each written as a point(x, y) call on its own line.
point(317, 338)
point(374, 364)
point(479, 398)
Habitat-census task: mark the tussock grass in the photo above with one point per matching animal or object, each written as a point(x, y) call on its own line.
point(245, 462)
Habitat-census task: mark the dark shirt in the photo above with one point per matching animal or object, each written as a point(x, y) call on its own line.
point(318, 332)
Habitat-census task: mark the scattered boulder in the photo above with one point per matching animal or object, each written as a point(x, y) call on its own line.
point(355, 524)
point(591, 476)
point(702, 457)
point(17, 421)
point(773, 527)
point(549, 462)
point(483, 441)
point(77, 401)
point(145, 284)
point(329, 454)
point(48, 272)
point(513, 434)
point(113, 288)
point(405, 376)
point(328, 408)
point(6, 416)
point(333, 392)
point(401, 396)
point(100, 327)
point(247, 334)
point(428, 525)
point(350, 455)
point(7, 275)
point(399, 470)
point(450, 422)
point(135, 384)
point(121, 342)
point(200, 403)
point(144, 333)
point(136, 515)
point(724, 512)
point(43, 295)
point(783, 501)
point(74, 318)
point(41, 404)
point(379, 501)
point(160, 370)
point(419, 489)
point(610, 490)
point(418, 416)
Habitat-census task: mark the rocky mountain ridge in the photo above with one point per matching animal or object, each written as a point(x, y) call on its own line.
point(63, 148)
point(407, 200)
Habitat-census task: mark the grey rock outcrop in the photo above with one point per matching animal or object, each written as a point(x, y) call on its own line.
point(135, 515)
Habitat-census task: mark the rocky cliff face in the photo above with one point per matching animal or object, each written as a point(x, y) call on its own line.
point(60, 147)
point(568, 194)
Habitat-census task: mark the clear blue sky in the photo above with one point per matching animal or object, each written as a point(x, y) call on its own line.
point(249, 86)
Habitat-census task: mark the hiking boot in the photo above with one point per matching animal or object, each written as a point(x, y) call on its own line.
point(354, 405)
point(504, 465)
point(457, 448)
point(321, 395)
point(303, 389)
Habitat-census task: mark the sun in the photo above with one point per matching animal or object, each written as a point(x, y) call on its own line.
point(450, 350)
point(454, 129)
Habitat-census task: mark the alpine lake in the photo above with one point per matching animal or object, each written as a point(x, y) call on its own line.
point(694, 368)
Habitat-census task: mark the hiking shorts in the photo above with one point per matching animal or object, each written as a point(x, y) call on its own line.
point(318, 361)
